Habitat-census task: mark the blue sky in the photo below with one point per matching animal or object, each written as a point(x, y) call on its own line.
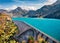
point(24, 4)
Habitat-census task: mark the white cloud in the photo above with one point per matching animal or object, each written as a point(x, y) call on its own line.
point(37, 6)
point(28, 7)
point(49, 2)
point(11, 8)
point(32, 6)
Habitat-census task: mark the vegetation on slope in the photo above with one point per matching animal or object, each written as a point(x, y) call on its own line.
point(7, 29)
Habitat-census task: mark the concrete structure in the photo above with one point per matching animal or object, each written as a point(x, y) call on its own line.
point(26, 31)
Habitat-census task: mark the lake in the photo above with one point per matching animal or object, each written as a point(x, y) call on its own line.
point(50, 27)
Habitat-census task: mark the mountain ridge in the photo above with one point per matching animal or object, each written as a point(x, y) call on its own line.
point(47, 11)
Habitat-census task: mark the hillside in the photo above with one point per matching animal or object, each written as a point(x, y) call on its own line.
point(7, 29)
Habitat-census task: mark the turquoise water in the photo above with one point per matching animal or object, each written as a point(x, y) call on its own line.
point(49, 26)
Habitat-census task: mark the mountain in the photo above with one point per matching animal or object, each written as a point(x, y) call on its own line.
point(57, 2)
point(18, 12)
point(47, 11)
point(55, 11)
point(44, 10)
point(2, 10)
point(31, 13)
point(50, 11)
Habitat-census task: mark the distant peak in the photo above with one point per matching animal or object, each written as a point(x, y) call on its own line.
point(57, 2)
point(19, 8)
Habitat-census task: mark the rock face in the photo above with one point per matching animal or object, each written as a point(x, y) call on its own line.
point(31, 13)
point(57, 2)
point(50, 11)
point(54, 11)
point(44, 10)
point(18, 12)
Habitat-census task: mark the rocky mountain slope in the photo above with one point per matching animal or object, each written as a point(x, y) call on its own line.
point(19, 12)
point(47, 11)
point(54, 11)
